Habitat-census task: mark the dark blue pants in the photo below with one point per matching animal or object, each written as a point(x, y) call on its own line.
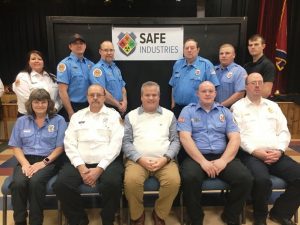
point(285, 168)
point(235, 174)
point(32, 189)
point(110, 185)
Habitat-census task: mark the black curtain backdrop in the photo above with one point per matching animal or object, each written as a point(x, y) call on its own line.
point(23, 24)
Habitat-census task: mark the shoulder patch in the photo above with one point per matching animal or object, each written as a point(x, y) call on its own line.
point(97, 72)
point(181, 120)
point(61, 67)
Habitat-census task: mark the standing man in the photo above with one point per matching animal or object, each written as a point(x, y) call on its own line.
point(211, 139)
point(72, 77)
point(150, 144)
point(260, 63)
point(92, 142)
point(188, 73)
point(231, 77)
point(264, 139)
point(108, 75)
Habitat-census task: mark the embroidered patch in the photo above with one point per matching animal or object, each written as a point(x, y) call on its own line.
point(51, 128)
point(97, 72)
point(61, 67)
point(222, 118)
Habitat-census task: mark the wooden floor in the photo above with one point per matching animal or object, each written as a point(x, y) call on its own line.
point(212, 214)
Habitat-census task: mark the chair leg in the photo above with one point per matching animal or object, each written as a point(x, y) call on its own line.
point(121, 211)
point(244, 214)
point(59, 213)
point(182, 222)
point(4, 210)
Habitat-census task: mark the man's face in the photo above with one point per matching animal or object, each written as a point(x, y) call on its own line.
point(206, 93)
point(254, 85)
point(150, 98)
point(226, 55)
point(107, 51)
point(78, 47)
point(190, 51)
point(96, 97)
point(256, 47)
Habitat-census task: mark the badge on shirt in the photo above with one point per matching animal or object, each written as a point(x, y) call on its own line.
point(27, 131)
point(105, 121)
point(89, 66)
point(222, 118)
point(61, 67)
point(197, 72)
point(180, 120)
point(195, 120)
point(81, 122)
point(270, 110)
point(229, 75)
point(212, 71)
point(51, 128)
point(97, 72)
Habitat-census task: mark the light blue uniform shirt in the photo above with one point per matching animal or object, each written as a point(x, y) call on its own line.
point(186, 79)
point(108, 76)
point(209, 129)
point(75, 73)
point(232, 80)
point(38, 141)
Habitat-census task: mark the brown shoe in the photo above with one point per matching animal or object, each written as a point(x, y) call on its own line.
point(157, 220)
point(139, 221)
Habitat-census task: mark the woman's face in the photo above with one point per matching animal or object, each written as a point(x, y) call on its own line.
point(40, 107)
point(36, 62)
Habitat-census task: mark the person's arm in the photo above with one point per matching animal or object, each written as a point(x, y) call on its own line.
point(63, 93)
point(22, 86)
point(1, 88)
point(267, 89)
point(233, 98)
point(174, 146)
point(172, 100)
point(123, 103)
point(109, 99)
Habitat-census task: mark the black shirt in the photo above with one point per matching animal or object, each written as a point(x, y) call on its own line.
point(263, 66)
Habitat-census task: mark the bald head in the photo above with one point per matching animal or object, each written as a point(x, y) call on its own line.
point(206, 84)
point(206, 93)
point(254, 86)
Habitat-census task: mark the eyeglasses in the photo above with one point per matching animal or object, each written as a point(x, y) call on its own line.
point(108, 50)
point(256, 83)
point(96, 95)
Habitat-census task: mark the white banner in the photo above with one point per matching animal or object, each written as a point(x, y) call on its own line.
point(144, 43)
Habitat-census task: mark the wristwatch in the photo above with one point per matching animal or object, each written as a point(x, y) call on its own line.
point(46, 161)
point(167, 157)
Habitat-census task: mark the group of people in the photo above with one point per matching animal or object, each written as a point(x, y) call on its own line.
point(242, 146)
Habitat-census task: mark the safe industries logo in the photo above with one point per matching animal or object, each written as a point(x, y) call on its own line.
point(127, 43)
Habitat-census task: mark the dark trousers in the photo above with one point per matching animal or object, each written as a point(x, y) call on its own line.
point(75, 106)
point(235, 174)
point(285, 168)
point(32, 189)
point(110, 188)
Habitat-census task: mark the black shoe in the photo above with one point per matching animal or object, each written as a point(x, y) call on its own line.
point(259, 222)
point(282, 221)
point(20, 223)
point(228, 222)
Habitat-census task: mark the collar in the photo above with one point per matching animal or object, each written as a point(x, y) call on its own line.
point(259, 60)
point(30, 117)
point(263, 101)
point(215, 105)
point(104, 63)
point(103, 110)
point(35, 74)
point(76, 59)
point(228, 68)
point(141, 110)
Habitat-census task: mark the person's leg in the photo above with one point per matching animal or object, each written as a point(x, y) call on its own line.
point(192, 177)
point(19, 193)
point(110, 188)
point(37, 191)
point(240, 180)
point(135, 176)
point(262, 186)
point(287, 203)
point(169, 180)
point(66, 189)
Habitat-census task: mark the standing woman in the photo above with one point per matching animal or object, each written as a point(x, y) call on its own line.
point(36, 141)
point(35, 76)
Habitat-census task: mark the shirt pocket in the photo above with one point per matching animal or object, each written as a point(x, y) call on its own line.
point(196, 80)
point(49, 137)
point(27, 138)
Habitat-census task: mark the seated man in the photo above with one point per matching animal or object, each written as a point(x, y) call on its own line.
point(204, 129)
point(93, 142)
point(264, 138)
point(150, 144)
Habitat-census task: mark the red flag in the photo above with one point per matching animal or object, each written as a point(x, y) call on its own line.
point(281, 40)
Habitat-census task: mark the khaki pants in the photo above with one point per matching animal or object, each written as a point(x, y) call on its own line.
point(135, 176)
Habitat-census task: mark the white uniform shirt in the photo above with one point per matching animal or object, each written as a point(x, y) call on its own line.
point(25, 83)
point(1, 88)
point(94, 137)
point(261, 126)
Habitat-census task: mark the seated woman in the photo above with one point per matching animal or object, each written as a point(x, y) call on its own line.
point(37, 141)
point(32, 77)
